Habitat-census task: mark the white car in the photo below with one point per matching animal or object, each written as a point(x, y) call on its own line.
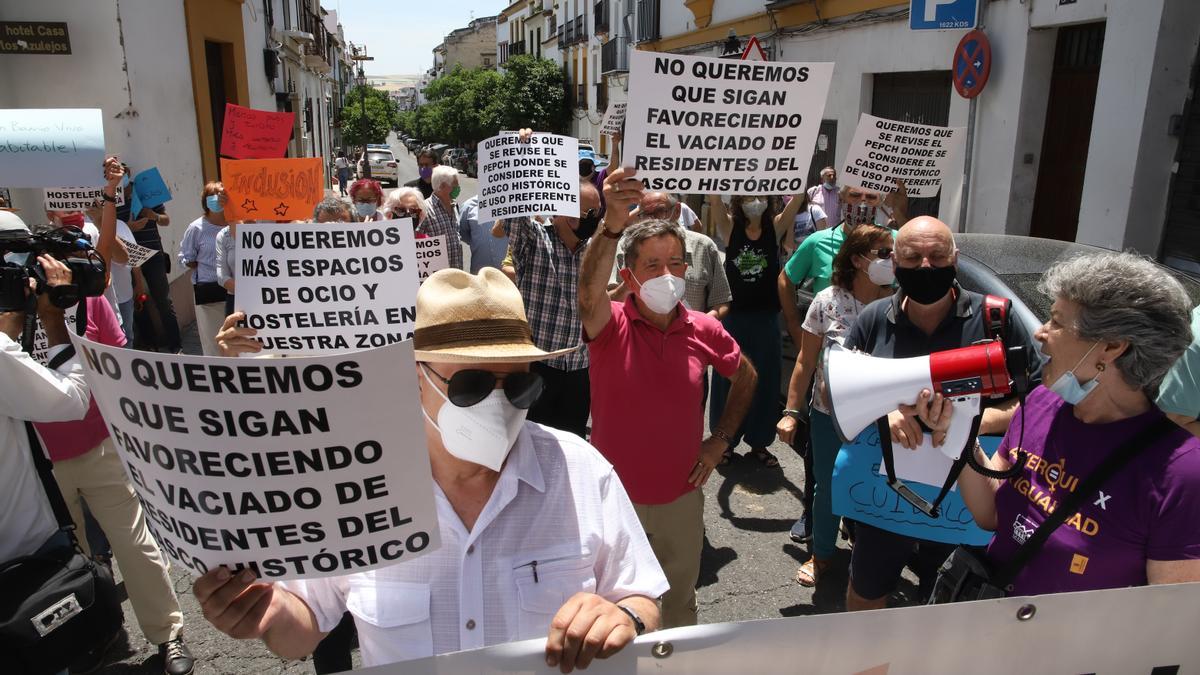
point(383, 164)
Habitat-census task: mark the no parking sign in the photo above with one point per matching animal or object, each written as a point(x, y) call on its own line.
point(972, 64)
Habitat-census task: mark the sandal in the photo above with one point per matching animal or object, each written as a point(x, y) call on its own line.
point(727, 457)
point(764, 457)
point(810, 572)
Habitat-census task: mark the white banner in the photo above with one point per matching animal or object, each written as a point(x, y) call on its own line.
point(138, 254)
point(613, 119)
point(540, 177)
point(327, 287)
point(303, 467)
point(709, 125)
point(432, 255)
point(884, 151)
point(76, 198)
point(1143, 631)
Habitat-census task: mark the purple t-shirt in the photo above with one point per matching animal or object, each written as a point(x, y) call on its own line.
point(1149, 510)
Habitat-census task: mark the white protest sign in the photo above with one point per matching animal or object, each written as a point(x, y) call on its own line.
point(76, 198)
point(613, 119)
point(138, 254)
point(303, 467)
point(708, 125)
point(884, 151)
point(524, 179)
point(432, 256)
point(322, 287)
point(47, 147)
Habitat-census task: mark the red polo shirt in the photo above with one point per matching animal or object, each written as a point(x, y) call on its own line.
point(647, 417)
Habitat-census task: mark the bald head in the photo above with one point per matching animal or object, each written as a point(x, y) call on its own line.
point(925, 241)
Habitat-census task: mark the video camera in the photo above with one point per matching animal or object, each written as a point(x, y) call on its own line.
point(20, 250)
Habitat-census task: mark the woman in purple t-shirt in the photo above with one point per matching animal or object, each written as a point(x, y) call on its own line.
point(1116, 326)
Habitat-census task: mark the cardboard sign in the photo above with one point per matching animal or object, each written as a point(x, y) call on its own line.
point(884, 151)
point(138, 254)
point(151, 189)
point(861, 492)
point(525, 179)
point(709, 125)
point(432, 255)
point(272, 189)
point(255, 134)
point(76, 198)
point(613, 119)
point(51, 147)
point(305, 467)
point(327, 287)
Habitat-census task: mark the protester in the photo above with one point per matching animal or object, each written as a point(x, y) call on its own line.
point(367, 196)
point(120, 274)
point(862, 273)
point(486, 250)
point(153, 273)
point(342, 165)
point(227, 263)
point(751, 232)
point(648, 355)
point(1179, 395)
point(930, 313)
point(1116, 325)
point(407, 202)
point(509, 491)
point(827, 195)
point(198, 251)
point(441, 219)
point(332, 210)
point(805, 218)
point(426, 160)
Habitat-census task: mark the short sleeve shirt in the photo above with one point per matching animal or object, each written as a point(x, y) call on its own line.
point(706, 284)
point(1180, 390)
point(813, 259)
point(830, 316)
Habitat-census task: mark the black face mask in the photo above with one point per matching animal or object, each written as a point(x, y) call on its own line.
point(926, 285)
point(584, 173)
point(587, 224)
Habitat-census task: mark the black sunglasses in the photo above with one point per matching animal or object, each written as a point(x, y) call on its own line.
point(468, 387)
point(397, 214)
point(883, 252)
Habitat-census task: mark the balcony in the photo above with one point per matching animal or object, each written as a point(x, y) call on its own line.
point(600, 17)
point(648, 20)
point(614, 56)
point(601, 96)
point(516, 48)
point(580, 29)
point(581, 96)
point(316, 53)
point(568, 33)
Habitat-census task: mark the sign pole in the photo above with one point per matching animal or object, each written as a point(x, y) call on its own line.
point(969, 155)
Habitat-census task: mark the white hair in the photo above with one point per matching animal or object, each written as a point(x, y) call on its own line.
point(442, 176)
point(394, 197)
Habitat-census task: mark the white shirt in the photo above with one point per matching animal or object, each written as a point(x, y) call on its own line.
point(110, 293)
point(557, 502)
point(30, 392)
point(687, 217)
point(121, 275)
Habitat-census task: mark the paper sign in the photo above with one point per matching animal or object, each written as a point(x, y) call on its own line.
point(918, 154)
point(432, 255)
point(272, 189)
point(76, 198)
point(861, 492)
point(255, 134)
point(138, 254)
point(51, 147)
point(41, 343)
point(613, 119)
point(709, 125)
point(296, 468)
point(327, 287)
point(151, 189)
point(524, 179)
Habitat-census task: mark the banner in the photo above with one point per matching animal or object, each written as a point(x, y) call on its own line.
point(255, 134)
point(138, 254)
point(710, 125)
point(327, 287)
point(297, 468)
point(884, 151)
point(151, 189)
point(540, 177)
point(272, 189)
point(614, 119)
point(861, 491)
point(52, 147)
point(76, 198)
point(432, 255)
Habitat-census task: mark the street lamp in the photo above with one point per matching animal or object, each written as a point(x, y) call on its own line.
point(733, 46)
point(362, 89)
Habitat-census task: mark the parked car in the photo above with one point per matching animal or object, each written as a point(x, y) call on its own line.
point(412, 144)
point(471, 164)
point(383, 164)
point(452, 156)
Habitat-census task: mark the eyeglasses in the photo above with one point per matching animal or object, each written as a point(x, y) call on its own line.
point(883, 252)
point(415, 214)
point(468, 387)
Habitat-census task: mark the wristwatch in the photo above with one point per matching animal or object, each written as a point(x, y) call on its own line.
point(638, 624)
point(794, 414)
point(718, 433)
point(609, 233)
point(106, 197)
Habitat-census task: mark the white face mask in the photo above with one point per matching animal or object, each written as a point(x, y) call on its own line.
point(662, 294)
point(1067, 386)
point(881, 271)
point(829, 185)
point(483, 433)
point(754, 208)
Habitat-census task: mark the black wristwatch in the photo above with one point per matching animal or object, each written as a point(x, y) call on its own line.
point(794, 414)
point(105, 196)
point(638, 625)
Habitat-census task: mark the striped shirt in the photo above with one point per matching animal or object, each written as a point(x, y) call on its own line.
point(440, 222)
point(199, 246)
point(548, 276)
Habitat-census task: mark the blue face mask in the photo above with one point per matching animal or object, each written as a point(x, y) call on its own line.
point(213, 202)
point(365, 209)
point(1067, 386)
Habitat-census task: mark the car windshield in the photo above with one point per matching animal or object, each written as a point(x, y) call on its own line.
point(380, 156)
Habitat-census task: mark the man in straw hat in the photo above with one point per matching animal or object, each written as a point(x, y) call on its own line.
point(538, 535)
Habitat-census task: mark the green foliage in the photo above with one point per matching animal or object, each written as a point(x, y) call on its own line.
point(380, 119)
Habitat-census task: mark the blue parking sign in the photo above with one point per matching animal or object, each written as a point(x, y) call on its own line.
point(942, 14)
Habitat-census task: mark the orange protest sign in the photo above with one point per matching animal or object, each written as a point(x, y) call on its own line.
point(272, 189)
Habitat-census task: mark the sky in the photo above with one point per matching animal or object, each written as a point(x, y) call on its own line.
point(401, 34)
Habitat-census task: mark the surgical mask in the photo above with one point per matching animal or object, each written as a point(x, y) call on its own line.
point(213, 202)
point(829, 185)
point(662, 294)
point(754, 208)
point(1068, 387)
point(483, 433)
point(926, 285)
point(456, 192)
point(881, 272)
point(365, 209)
point(426, 172)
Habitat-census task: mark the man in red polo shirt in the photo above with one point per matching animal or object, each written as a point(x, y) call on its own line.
point(648, 357)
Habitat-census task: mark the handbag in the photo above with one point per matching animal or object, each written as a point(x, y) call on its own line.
point(208, 292)
point(58, 607)
point(967, 575)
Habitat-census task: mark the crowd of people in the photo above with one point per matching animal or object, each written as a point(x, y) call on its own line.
point(576, 352)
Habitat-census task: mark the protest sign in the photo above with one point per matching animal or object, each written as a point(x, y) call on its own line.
point(613, 120)
point(272, 189)
point(861, 492)
point(884, 151)
point(709, 125)
point(51, 147)
point(76, 198)
point(255, 134)
point(138, 254)
point(432, 256)
point(41, 343)
point(291, 467)
point(322, 287)
point(151, 189)
point(540, 177)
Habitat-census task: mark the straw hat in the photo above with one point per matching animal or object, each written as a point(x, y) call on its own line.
point(474, 318)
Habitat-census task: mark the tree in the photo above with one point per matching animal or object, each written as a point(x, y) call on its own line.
point(380, 119)
point(534, 95)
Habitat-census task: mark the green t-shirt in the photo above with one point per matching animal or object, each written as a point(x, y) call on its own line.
point(814, 258)
point(1180, 390)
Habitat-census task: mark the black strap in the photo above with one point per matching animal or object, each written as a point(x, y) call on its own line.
point(46, 473)
point(931, 509)
point(1088, 487)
